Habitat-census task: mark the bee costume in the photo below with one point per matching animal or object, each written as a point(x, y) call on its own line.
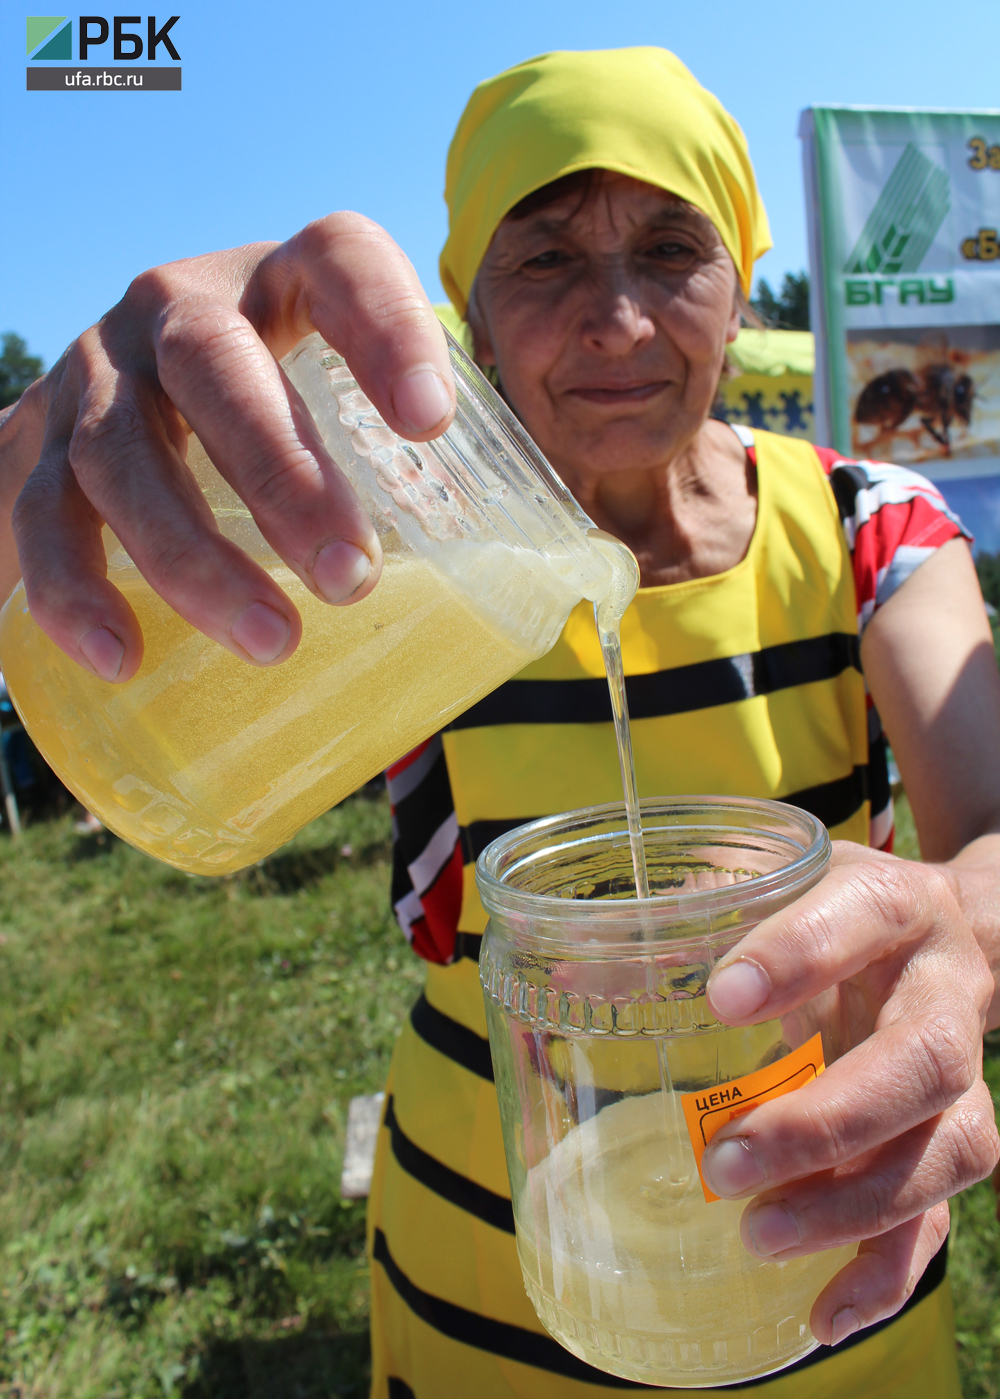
point(745, 683)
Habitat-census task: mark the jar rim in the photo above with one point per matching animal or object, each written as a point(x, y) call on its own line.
point(529, 847)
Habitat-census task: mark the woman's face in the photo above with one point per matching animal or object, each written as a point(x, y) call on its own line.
point(607, 321)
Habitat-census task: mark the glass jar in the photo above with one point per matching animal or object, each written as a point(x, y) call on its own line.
point(209, 763)
point(599, 1030)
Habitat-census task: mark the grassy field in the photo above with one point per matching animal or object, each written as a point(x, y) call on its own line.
point(178, 1055)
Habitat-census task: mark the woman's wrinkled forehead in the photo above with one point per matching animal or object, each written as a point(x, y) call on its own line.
point(574, 201)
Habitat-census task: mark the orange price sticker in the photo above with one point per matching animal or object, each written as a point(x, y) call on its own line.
point(706, 1112)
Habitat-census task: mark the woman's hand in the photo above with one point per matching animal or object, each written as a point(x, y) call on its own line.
point(193, 346)
point(873, 1148)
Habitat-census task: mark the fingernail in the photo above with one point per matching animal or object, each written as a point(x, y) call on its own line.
point(340, 569)
point(104, 651)
point(421, 399)
point(738, 990)
point(730, 1167)
point(773, 1228)
point(844, 1324)
point(261, 631)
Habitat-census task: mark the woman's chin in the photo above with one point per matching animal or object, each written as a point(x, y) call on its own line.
point(594, 451)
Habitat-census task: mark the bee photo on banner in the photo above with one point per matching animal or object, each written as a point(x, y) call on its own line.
point(925, 395)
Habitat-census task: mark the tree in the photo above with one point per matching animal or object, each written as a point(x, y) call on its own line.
point(789, 310)
point(988, 568)
point(18, 369)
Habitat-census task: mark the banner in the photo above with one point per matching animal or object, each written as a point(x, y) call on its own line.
point(904, 235)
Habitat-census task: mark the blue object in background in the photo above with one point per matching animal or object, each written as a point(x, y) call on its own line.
point(976, 500)
point(17, 752)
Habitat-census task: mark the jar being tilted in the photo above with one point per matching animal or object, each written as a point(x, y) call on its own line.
point(209, 763)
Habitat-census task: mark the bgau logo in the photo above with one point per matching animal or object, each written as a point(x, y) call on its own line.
point(897, 236)
point(905, 220)
point(129, 37)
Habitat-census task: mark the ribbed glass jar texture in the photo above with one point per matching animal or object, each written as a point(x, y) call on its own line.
point(599, 1024)
point(209, 763)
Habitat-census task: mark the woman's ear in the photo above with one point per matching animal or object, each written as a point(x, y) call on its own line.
point(735, 322)
point(744, 313)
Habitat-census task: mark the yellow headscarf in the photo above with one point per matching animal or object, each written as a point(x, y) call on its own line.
point(636, 111)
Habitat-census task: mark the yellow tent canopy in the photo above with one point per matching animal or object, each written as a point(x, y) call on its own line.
point(774, 352)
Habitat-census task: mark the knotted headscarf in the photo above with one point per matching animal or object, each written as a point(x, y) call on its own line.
point(635, 111)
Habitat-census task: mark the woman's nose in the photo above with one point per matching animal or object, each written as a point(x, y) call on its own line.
point(616, 323)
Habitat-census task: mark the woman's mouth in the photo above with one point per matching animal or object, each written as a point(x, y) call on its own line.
point(616, 394)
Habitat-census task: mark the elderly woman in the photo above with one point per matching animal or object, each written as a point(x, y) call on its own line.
point(604, 225)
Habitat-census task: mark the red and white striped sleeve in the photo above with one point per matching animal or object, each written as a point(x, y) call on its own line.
point(894, 519)
point(427, 857)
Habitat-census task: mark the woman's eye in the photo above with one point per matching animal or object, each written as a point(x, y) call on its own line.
point(672, 251)
point(552, 257)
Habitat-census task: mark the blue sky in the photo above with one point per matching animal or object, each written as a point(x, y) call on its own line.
point(290, 111)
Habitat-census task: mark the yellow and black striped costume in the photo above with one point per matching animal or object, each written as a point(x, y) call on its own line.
point(745, 683)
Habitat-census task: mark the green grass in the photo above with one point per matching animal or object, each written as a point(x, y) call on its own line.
point(176, 1059)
